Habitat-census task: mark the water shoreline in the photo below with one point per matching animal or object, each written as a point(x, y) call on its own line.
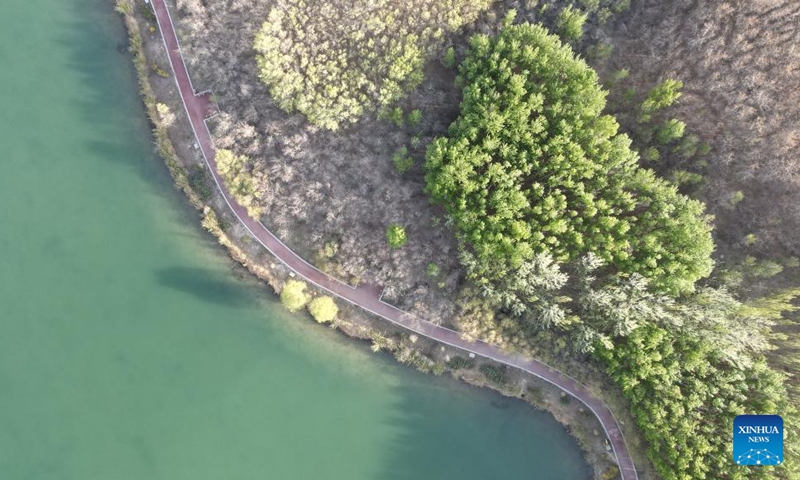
point(406, 348)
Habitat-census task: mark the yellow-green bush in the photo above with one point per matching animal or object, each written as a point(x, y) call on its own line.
point(323, 309)
point(334, 61)
point(294, 296)
point(242, 179)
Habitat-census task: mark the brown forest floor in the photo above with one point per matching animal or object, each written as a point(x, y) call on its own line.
point(740, 64)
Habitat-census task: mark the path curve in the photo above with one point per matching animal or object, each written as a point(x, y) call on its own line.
point(198, 107)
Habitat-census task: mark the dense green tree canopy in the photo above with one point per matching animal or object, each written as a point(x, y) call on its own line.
point(688, 365)
point(662, 95)
point(685, 397)
point(532, 166)
point(570, 23)
point(670, 130)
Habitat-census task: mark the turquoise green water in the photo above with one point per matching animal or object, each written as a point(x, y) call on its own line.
point(129, 351)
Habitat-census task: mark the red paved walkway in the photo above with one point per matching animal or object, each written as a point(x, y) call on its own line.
point(368, 296)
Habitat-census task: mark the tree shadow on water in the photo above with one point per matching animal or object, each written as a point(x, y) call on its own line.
point(110, 102)
point(206, 285)
point(446, 430)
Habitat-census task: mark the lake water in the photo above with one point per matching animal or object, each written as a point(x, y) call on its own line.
point(128, 350)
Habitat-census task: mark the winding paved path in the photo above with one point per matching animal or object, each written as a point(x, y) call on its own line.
point(199, 106)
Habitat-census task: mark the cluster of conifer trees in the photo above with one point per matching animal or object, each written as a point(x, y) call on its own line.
point(531, 166)
point(560, 229)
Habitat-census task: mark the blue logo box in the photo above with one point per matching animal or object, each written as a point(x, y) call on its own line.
point(758, 440)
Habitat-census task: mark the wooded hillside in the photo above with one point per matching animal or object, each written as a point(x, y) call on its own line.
point(569, 222)
point(739, 62)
